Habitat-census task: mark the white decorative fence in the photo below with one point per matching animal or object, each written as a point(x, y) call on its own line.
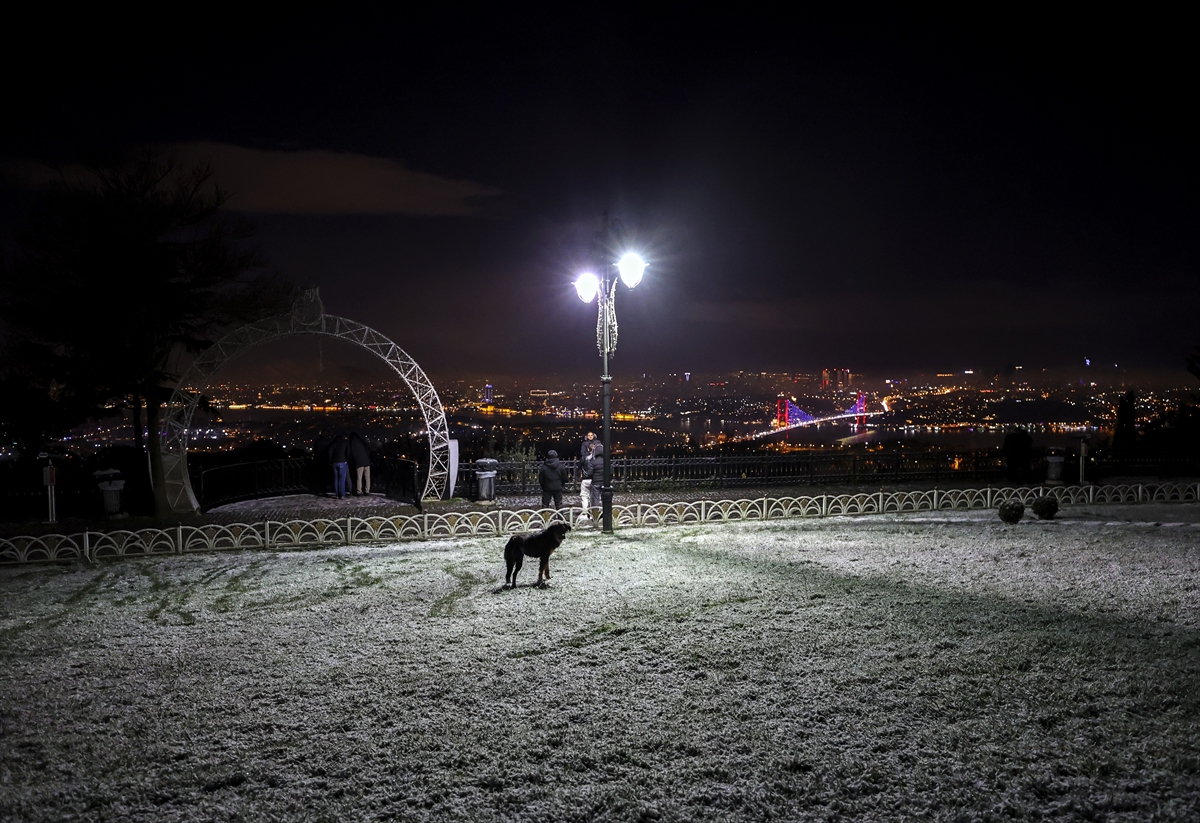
point(276, 534)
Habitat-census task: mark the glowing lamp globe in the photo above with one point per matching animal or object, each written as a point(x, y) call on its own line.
point(631, 267)
point(586, 286)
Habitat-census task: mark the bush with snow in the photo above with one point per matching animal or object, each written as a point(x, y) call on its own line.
point(1011, 511)
point(1045, 507)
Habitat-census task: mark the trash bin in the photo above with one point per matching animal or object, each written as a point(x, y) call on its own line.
point(1055, 458)
point(110, 486)
point(485, 477)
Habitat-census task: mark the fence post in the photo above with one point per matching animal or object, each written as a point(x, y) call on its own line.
point(348, 540)
point(87, 549)
point(178, 538)
point(522, 477)
point(266, 534)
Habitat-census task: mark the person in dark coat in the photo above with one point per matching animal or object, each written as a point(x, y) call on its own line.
point(552, 477)
point(596, 479)
point(360, 462)
point(585, 472)
point(339, 459)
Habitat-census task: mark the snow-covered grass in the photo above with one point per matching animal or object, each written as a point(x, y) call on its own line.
point(939, 665)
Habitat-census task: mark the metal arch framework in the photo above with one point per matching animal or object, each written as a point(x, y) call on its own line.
point(178, 418)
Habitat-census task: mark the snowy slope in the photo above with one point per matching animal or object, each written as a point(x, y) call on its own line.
point(878, 667)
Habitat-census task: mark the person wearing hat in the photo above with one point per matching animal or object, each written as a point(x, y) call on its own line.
point(552, 477)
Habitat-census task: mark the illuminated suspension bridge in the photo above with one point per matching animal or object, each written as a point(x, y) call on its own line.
point(790, 416)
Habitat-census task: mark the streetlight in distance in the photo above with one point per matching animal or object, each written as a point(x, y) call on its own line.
point(589, 286)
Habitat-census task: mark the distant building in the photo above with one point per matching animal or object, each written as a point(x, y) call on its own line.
point(488, 393)
point(836, 378)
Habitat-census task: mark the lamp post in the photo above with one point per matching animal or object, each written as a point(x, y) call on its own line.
point(603, 287)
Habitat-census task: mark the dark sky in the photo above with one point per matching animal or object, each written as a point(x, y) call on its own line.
point(878, 193)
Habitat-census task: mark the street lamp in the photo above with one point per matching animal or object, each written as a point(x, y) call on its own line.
point(630, 266)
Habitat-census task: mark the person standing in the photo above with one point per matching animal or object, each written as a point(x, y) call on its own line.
point(589, 443)
point(585, 473)
point(597, 480)
point(360, 461)
point(552, 477)
point(339, 459)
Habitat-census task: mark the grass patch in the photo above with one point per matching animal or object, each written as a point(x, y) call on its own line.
point(445, 605)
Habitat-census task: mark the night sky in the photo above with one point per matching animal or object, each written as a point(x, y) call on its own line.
point(876, 193)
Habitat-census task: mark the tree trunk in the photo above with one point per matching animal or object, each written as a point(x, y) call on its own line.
point(153, 422)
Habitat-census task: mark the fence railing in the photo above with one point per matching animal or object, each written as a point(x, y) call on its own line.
point(274, 534)
point(397, 478)
point(731, 471)
point(248, 481)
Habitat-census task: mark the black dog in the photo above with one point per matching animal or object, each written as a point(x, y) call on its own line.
point(539, 545)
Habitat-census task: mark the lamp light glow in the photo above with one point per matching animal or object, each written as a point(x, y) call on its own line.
point(631, 267)
point(586, 286)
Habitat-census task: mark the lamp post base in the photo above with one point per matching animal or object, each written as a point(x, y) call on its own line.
point(606, 495)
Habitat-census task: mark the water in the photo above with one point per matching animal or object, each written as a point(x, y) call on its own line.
point(971, 439)
point(298, 428)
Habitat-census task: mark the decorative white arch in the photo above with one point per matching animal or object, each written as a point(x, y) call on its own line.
point(306, 317)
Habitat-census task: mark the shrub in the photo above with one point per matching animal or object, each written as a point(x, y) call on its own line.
point(1045, 507)
point(1011, 511)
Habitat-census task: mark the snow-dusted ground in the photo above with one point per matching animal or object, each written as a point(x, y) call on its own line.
point(939, 665)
